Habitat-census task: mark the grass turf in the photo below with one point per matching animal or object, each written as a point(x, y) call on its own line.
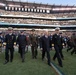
point(69, 62)
point(37, 66)
point(29, 67)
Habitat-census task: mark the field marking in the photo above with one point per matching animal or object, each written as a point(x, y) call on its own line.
point(58, 71)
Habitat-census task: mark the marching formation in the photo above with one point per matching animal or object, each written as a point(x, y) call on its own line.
point(45, 41)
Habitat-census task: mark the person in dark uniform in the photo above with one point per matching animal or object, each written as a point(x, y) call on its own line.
point(65, 40)
point(61, 47)
point(69, 43)
point(57, 46)
point(45, 46)
point(40, 44)
point(10, 40)
point(22, 42)
point(28, 41)
point(1, 41)
point(50, 36)
point(34, 44)
point(73, 38)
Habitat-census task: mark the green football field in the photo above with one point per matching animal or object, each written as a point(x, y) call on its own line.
point(29, 67)
point(69, 62)
point(37, 66)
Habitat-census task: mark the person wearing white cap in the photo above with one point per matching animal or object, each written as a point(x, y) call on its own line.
point(10, 41)
point(57, 46)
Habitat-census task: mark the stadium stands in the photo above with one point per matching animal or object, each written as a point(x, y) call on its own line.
point(34, 13)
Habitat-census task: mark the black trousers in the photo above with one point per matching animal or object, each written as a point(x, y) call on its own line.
point(58, 55)
point(61, 53)
point(48, 55)
point(70, 47)
point(34, 51)
point(74, 50)
point(7, 50)
point(22, 52)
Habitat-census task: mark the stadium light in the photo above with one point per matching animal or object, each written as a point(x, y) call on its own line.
point(22, 9)
point(29, 9)
point(16, 8)
point(12, 8)
point(9, 8)
point(48, 11)
point(41, 10)
point(38, 10)
point(35, 10)
point(25, 9)
point(6, 8)
point(32, 10)
point(19, 8)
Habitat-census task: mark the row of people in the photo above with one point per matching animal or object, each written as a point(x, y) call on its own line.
point(45, 42)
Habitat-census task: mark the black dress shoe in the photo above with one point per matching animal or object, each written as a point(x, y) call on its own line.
point(10, 60)
point(71, 53)
point(49, 64)
point(61, 65)
point(53, 59)
point(67, 50)
point(35, 57)
point(6, 62)
point(23, 61)
point(42, 59)
point(32, 57)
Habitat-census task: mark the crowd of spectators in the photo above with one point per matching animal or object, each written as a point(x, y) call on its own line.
point(4, 12)
point(37, 21)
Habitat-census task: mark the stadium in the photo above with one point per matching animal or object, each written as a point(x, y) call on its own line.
point(28, 15)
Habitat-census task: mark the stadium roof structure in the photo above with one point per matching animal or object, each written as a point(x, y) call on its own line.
point(46, 8)
point(8, 2)
point(24, 2)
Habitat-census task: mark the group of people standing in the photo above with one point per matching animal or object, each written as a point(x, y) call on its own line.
point(57, 41)
point(44, 41)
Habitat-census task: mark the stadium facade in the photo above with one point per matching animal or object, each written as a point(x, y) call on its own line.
point(33, 15)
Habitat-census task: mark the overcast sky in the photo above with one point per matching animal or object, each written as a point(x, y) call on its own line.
point(56, 2)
